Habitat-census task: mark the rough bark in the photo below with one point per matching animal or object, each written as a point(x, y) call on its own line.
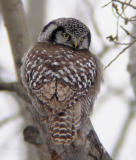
point(15, 23)
point(88, 148)
point(14, 19)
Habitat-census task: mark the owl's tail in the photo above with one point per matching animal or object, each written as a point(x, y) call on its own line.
point(63, 131)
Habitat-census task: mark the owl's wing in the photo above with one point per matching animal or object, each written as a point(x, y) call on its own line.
point(61, 72)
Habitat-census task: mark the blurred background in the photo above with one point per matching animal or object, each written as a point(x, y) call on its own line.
point(114, 115)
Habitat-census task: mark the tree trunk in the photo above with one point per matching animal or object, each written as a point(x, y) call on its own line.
point(83, 149)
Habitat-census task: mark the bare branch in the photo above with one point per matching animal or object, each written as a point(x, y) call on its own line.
point(128, 33)
point(9, 86)
point(10, 118)
point(80, 149)
point(119, 8)
point(15, 87)
point(120, 13)
point(114, 59)
point(14, 18)
point(125, 3)
point(105, 5)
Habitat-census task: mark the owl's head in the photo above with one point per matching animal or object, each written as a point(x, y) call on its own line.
point(66, 31)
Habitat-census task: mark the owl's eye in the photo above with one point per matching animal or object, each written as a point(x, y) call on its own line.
point(66, 36)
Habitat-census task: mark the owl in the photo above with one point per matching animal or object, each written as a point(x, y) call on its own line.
point(62, 77)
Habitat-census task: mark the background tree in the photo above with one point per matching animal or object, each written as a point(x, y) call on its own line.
point(122, 38)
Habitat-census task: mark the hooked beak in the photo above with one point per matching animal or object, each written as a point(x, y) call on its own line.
point(75, 44)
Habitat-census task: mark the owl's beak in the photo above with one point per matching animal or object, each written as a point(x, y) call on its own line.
point(75, 44)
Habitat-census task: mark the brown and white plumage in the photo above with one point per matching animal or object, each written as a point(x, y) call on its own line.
point(62, 81)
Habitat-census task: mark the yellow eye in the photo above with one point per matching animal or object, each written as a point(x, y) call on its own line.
point(66, 36)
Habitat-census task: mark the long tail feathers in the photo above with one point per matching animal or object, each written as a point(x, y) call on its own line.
point(63, 131)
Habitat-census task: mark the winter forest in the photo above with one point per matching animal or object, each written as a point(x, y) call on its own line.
point(112, 24)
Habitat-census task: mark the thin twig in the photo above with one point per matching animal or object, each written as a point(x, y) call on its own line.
point(128, 33)
point(120, 14)
point(125, 3)
point(106, 4)
point(114, 59)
